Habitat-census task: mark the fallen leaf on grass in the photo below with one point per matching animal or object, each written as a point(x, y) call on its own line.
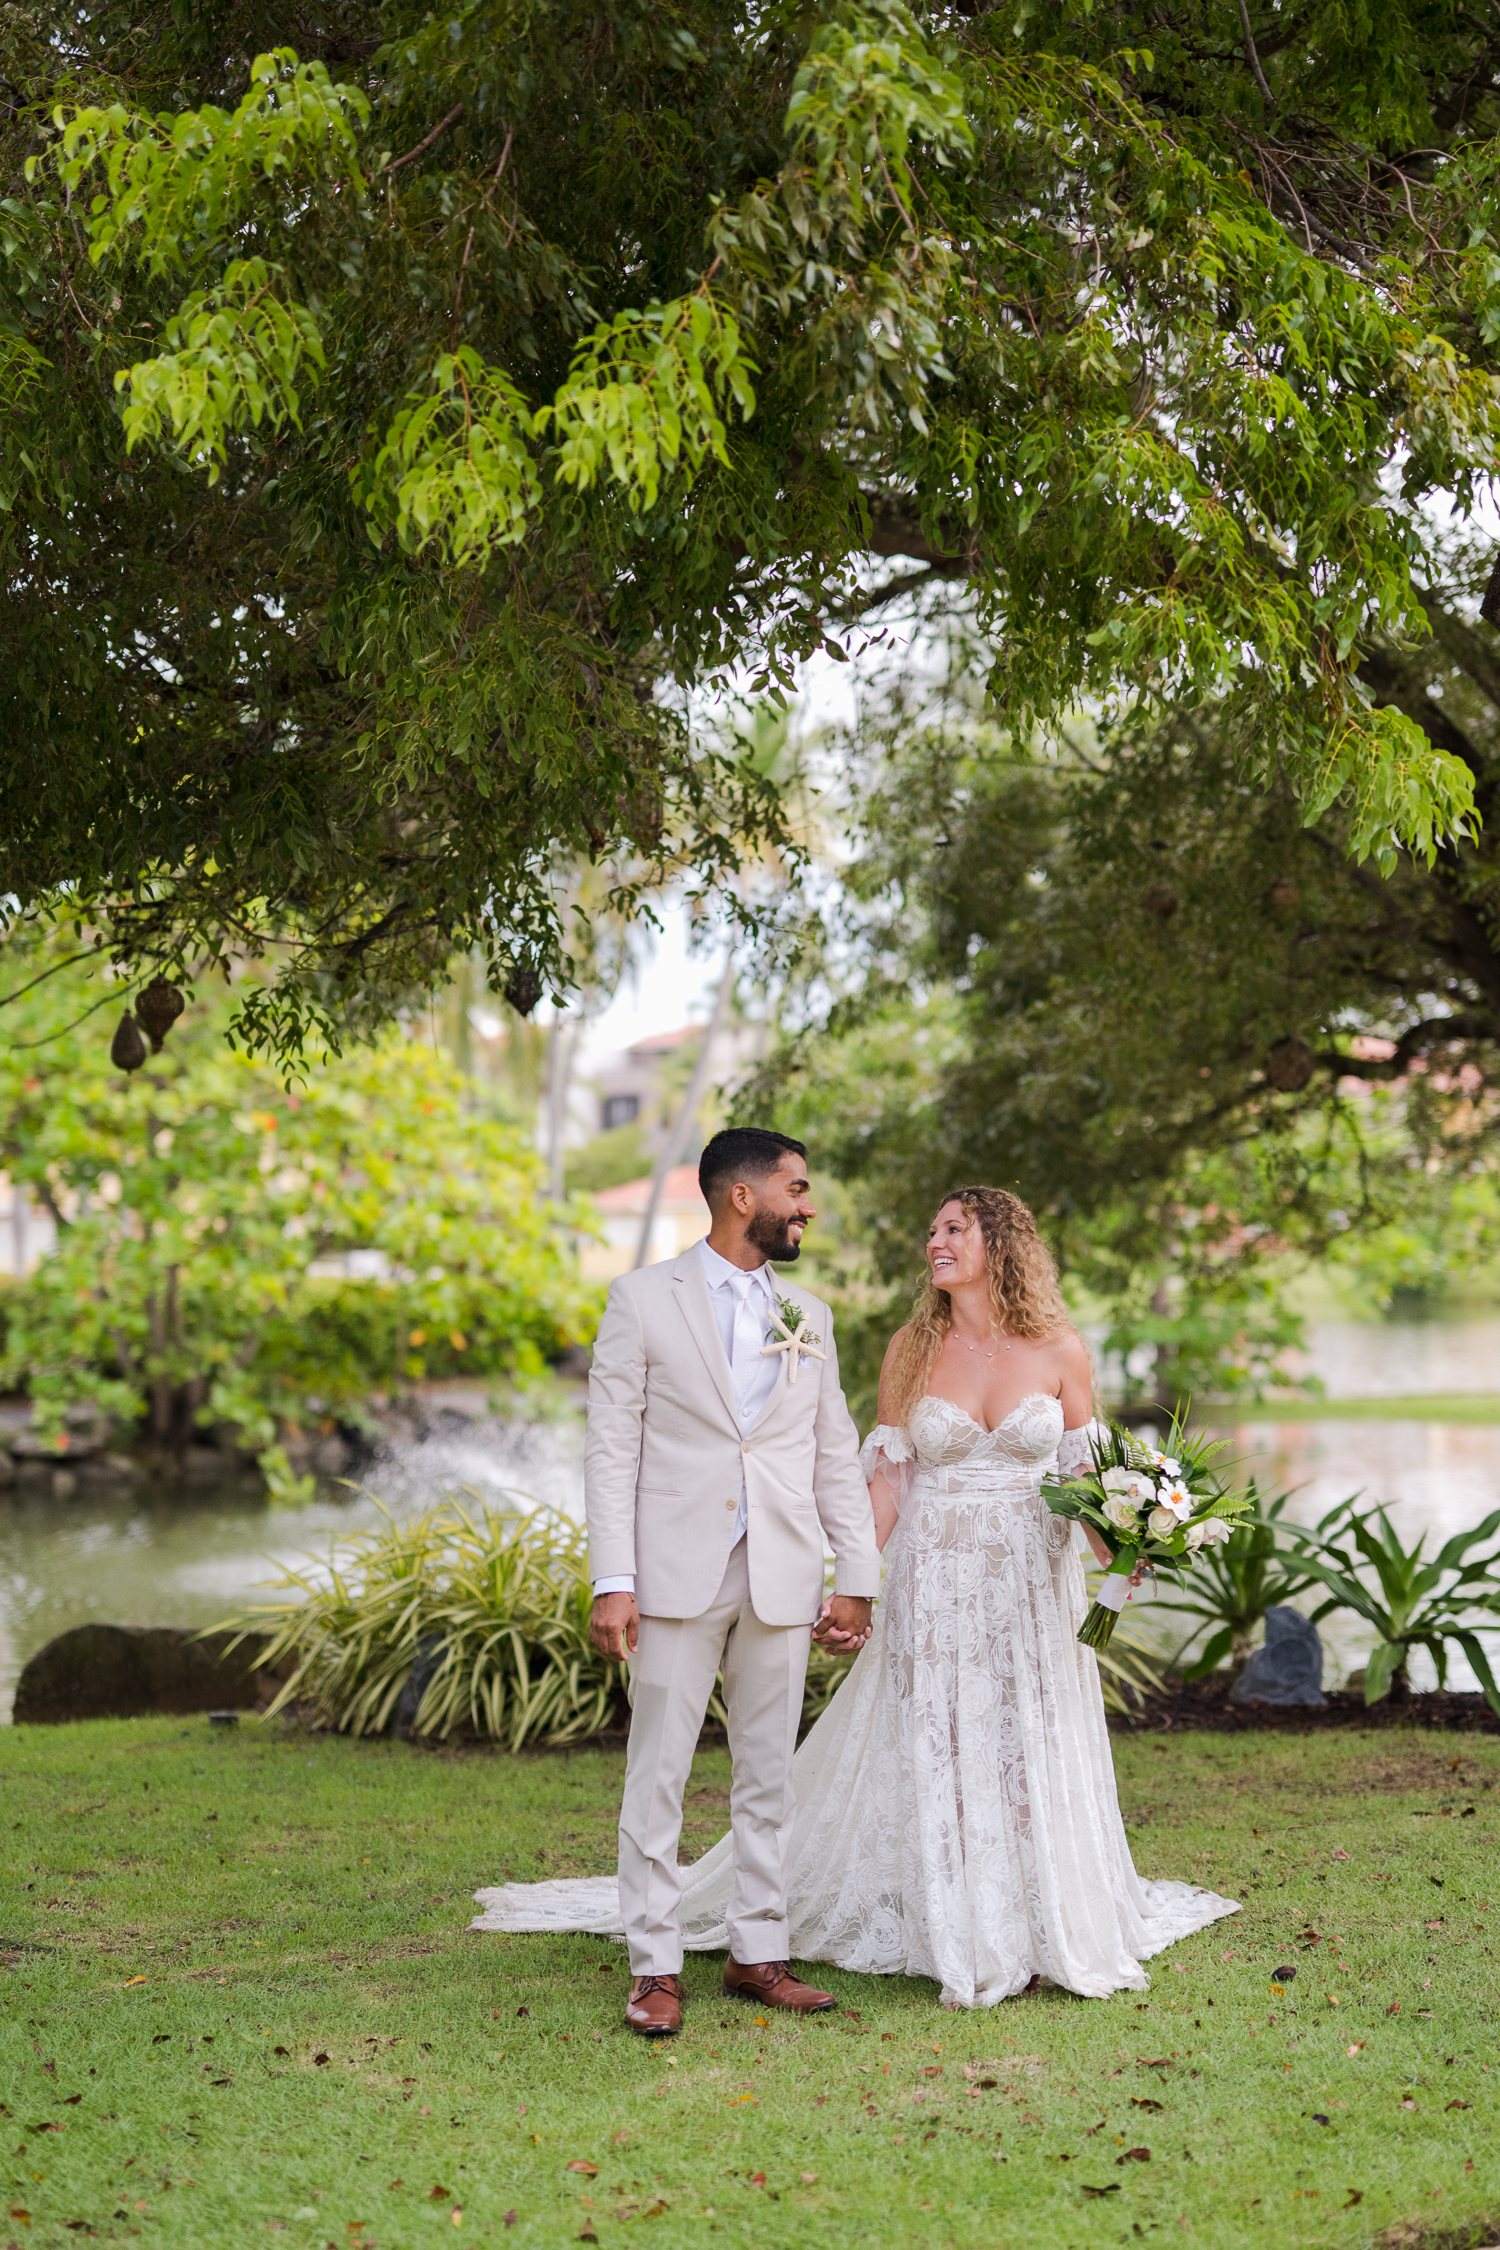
point(439, 2195)
point(1112, 2189)
point(395, 2184)
point(320, 2059)
point(1356, 2195)
point(70, 2099)
point(281, 2050)
point(20, 2214)
point(1394, 2009)
point(133, 1980)
point(809, 2179)
point(1284, 1975)
point(1356, 2048)
point(1458, 2105)
point(1137, 2101)
point(509, 2220)
point(1135, 2156)
point(457, 2214)
point(757, 2179)
point(582, 2164)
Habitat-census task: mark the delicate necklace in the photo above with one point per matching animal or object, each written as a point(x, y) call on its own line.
point(968, 1347)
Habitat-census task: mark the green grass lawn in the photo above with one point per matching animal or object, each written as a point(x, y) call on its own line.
point(1477, 1409)
point(243, 2007)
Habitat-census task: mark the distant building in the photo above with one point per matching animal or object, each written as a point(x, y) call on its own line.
point(681, 1220)
point(625, 1088)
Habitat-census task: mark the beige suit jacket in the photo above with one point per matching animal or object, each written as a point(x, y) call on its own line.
point(665, 1455)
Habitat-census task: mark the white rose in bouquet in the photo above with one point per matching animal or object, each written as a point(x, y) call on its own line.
point(1121, 1512)
point(1213, 1531)
point(1119, 1480)
point(1162, 1522)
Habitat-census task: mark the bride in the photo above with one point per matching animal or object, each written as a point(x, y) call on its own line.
point(956, 1808)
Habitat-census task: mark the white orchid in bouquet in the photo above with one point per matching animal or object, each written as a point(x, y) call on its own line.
point(1153, 1505)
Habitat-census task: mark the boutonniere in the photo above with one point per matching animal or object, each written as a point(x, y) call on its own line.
point(790, 1332)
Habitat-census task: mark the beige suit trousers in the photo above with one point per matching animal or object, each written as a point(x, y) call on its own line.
point(672, 1677)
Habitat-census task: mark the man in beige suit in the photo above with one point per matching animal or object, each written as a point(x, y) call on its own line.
point(719, 1454)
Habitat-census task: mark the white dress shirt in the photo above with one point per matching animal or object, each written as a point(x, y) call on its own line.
point(744, 1306)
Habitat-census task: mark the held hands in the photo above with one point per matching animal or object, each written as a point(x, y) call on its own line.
point(614, 1625)
point(843, 1622)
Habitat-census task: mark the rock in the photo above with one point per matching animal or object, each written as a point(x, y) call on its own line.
point(129, 1671)
point(85, 1431)
point(108, 1468)
point(1289, 1669)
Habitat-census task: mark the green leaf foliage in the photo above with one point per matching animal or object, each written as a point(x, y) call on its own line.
point(1196, 1034)
point(406, 419)
point(1412, 1602)
point(205, 1213)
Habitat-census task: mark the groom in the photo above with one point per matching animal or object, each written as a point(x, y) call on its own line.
point(712, 1471)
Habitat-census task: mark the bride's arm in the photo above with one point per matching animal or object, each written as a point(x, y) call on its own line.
point(885, 1482)
point(1077, 1401)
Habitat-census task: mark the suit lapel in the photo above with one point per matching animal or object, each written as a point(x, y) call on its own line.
point(690, 1294)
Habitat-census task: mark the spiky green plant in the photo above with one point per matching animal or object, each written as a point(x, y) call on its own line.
point(1414, 1603)
point(1233, 1586)
point(486, 1616)
point(493, 1606)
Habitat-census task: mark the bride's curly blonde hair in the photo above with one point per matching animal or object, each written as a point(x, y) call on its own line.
point(1024, 1297)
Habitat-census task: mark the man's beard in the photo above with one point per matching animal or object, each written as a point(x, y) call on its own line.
point(772, 1233)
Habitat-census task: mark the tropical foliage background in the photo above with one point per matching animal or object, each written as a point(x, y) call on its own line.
point(207, 1213)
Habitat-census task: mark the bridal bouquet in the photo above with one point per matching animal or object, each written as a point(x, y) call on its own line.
point(1158, 1505)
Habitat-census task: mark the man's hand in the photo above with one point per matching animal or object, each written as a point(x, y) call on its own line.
point(614, 1625)
point(843, 1622)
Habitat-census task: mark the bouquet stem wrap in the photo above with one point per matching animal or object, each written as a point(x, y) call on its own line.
point(1113, 1594)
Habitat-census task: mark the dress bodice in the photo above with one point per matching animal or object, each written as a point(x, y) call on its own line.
point(943, 1435)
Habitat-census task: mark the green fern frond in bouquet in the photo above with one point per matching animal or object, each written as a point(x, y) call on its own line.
point(1157, 1505)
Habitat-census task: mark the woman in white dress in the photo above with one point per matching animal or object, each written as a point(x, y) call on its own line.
point(956, 1808)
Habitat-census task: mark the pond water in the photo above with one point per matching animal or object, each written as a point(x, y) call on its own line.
point(151, 1553)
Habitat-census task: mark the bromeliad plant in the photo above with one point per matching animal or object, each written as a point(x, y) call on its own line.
point(1415, 1603)
point(485, 1615)
point(1156, 1505)
point(1235, 1581)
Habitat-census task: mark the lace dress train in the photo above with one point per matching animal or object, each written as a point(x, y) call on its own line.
point(956, 1807)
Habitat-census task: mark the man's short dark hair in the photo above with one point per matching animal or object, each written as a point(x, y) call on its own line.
point(743, 1152)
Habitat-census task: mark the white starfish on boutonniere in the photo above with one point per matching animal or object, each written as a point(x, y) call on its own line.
point(789, 1332)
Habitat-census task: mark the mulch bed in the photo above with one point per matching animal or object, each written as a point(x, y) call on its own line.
point(1203, 1706)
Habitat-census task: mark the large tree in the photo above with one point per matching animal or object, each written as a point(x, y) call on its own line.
point(1194, 1030)
point(405, 406)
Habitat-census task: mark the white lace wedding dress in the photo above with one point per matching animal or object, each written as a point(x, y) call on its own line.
point(956, 1807)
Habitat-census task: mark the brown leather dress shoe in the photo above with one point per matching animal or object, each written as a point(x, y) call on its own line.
point(772, 1983)
point(654, 2008)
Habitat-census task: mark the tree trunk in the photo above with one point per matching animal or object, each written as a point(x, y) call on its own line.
point(692, 1101)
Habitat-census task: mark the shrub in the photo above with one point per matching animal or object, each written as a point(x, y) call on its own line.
point(205, 1213)
point(477, 1623)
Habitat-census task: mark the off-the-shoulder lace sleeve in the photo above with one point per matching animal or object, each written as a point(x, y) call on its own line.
point(1074, 1452)
point(886, 1458)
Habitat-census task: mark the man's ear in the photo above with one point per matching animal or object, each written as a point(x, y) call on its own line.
point(742, 1198)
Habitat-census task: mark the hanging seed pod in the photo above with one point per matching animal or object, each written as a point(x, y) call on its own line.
point(523, 989)
point(1289, 1065)
point(157, 1009)
point(127, 1050)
